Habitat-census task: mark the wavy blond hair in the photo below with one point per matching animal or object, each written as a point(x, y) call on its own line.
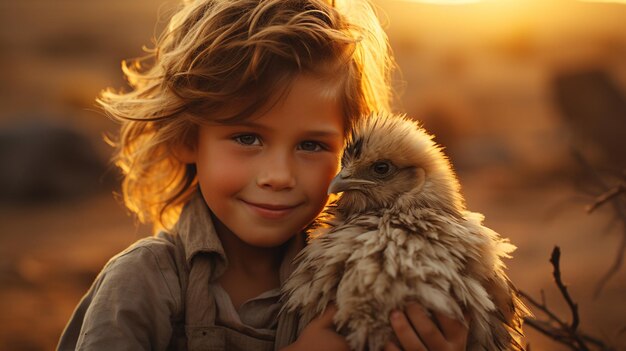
point(223, 60)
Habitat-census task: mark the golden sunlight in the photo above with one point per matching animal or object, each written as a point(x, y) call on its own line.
point(446, 2)
point(460, 2)
point(615, 1)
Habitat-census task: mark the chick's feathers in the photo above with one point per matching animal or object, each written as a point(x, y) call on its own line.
point(399, 233)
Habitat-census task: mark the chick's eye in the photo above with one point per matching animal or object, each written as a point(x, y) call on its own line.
point(247, 139)
point(310, 146)
point(381, 168)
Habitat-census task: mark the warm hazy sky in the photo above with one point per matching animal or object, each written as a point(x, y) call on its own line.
point(471, 20)
point(452, 2)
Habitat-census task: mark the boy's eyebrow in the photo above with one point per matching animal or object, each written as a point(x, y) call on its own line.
point(251, 124)
point(313, 133)
point(323, 133)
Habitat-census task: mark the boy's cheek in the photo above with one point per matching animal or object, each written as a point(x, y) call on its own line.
point(223, 175)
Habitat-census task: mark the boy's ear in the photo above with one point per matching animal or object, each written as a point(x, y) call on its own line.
point(185, 153)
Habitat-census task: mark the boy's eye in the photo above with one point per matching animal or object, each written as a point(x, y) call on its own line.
point(310, 146)
point(247, 139)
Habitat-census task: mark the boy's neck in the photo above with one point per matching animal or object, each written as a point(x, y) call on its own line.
point(246, 258)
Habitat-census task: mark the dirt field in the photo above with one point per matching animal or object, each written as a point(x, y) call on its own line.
point(483, 77)
point(50, 254)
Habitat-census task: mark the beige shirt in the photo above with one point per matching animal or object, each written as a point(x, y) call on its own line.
point(161, 293)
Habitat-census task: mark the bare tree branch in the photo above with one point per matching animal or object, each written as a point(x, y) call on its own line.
point(607, 196)
point(555, 260)
point(554, 327)
point(543, 308)
point(612, 195)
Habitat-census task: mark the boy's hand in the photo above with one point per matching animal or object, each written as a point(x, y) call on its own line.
point(320, 334)
point(417, 332)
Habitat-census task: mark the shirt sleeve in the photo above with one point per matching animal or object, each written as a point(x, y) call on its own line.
point(130, 306)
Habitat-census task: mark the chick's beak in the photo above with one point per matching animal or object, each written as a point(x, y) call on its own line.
point(343, 181)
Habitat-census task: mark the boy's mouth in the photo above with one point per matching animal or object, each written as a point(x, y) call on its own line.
point(270, 211)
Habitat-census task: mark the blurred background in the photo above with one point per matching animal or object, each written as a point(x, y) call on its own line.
point(527, 96)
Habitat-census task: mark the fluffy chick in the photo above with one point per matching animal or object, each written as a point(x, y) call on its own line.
point(400, 232)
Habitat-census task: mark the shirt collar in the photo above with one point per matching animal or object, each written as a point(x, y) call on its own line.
point(197, 233)
point(196, 230)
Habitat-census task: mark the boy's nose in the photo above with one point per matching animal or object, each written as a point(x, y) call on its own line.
point(277, 174)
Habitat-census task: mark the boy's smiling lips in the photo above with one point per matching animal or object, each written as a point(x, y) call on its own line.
point(270, 211)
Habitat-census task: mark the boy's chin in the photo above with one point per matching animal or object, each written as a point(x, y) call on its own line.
point(271, 240)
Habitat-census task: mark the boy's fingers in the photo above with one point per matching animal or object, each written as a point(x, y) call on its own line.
point(452, 328)
point(407, 337)
point(426, 328)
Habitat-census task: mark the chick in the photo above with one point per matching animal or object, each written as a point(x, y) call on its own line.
point(400, 232)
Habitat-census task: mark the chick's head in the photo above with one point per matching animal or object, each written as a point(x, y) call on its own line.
point(391, 162)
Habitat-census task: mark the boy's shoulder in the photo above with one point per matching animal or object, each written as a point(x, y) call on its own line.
point(159, 251)
point(140, 285)
point(151, 263)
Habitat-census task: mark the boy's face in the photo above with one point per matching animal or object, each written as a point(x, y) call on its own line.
point(266, 179)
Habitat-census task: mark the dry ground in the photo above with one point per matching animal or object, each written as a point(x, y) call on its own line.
point(49, 254)
point(480, 76)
